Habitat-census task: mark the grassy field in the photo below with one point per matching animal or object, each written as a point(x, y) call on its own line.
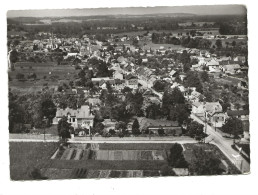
point(24, 156)
point(54, 75)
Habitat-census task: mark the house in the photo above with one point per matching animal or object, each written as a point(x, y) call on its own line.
point(119, 84)
point(145, 60)
point(131, 81)
point(213, 65)
point(182, 76)
point(94, 101)
point(118, 75)
point(214, 113)
point(195, 96)
point(240, 114)
point(80, 118)
point(198, 109)
point(103, 83)
point(172, 129)
point(108, 125)
point(173, 73)
point(231, 68)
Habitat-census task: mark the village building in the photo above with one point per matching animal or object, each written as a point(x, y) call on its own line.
point(79, 118)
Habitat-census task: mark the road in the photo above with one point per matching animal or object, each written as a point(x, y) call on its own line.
point(224, 145)
point(50, 138)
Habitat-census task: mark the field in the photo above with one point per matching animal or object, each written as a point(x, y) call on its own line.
point(25, 156)
point(53, 75)
point(107, 160)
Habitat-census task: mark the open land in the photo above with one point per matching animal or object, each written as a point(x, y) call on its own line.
point(55, 163)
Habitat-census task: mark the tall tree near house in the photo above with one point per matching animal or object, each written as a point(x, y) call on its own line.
point(185, 58)
point(195, 130)
point(233, 126)
point(98, 128)
point(204, 76)
point(135, 127)
point(233, 43)
point(218, 43)
point(63, 129)
point(48, 109)
point(176, 157)
point(177, 97)
point(121, 126)
point(192, 80)
point(179, 113)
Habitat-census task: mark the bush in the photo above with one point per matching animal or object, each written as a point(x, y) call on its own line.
point(20, 76)
point(167, 171)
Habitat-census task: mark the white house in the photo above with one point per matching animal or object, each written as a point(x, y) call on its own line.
point(80, 118)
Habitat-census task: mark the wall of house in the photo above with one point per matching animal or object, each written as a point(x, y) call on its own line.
point(198, 111)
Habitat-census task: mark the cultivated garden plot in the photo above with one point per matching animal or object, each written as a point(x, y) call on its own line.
point(81, 161)
point(54, 173)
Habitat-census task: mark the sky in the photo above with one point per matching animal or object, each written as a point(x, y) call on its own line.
point(200, 10)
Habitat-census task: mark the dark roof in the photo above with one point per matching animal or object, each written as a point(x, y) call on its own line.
point(118, 81)
point(237, 112)
point(130, 76)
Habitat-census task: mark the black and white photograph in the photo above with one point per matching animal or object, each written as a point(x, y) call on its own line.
point(128, 92)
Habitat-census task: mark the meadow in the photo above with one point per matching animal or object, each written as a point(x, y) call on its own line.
point(47, 74)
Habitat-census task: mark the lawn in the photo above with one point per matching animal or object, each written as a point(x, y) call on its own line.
point(24, 156)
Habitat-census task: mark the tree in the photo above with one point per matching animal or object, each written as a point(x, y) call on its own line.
point(179, 113)
point(159, 85)
point(16, 115)
point(170, 98)
point(204, 76)
point(36, 174)
point(176, 157)
point(48, 108)
point(14, 56)
point(63, 129)
point(167, 171)
point(161, 131)
point(195, 130)
point(135, 127)
point(233, 43)
point(185, 58)
point(233, 126)
point(121, 126)
point(98, 128)
point(204, 163)
point(20, 76)
point(192, 80)
point(218, 43)
point(153, 111)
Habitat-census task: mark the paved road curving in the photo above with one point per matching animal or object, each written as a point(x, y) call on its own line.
point(224, 145)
